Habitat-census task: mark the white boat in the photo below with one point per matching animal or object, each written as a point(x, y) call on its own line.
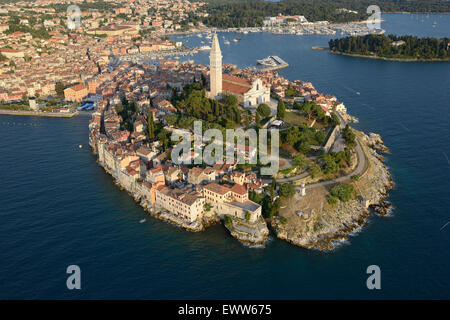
point(204, 48)
point(226, 42)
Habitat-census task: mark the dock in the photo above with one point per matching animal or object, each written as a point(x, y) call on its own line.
point(280, 64)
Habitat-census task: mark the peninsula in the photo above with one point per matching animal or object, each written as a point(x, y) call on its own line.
point(330, 175)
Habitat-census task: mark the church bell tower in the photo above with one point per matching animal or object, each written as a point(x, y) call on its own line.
point(215, 68)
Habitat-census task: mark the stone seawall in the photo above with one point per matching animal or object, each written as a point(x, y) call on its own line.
point(38, 114)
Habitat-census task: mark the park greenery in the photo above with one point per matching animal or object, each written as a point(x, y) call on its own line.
point(270, 205)
point(192, 102)
point(349, 136)
point(286, 190)
point(302, 137)
point(394, 47)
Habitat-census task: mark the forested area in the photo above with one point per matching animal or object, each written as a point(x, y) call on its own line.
point(392, 46)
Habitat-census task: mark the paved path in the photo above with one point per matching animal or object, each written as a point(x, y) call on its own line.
point(360, 168)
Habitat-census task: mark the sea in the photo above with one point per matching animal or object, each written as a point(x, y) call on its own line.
point(59, 208)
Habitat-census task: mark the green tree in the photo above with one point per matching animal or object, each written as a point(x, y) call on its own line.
point(150, 125)
point(314, 169)
point(59, 88)
point(227, 220)
point(299, 160)
point(286, 190)
point(231, 100)
point(258, 120)
point(264, 110)
point(304, 147)
point(343, 192)
point(281, 109)
point(349, 136)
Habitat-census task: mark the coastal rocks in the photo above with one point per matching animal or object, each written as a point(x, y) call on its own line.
point(374, 141)
point(323, 232)
point(195, 226)
point(383, 208)
point(253, 234)
point(209, 219)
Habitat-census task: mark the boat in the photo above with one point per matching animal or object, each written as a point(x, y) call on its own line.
point(226, 42)
point(204, 48)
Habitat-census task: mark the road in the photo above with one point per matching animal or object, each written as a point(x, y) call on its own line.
point(360, 168)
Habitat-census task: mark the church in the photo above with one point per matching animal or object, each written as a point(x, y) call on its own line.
point(250, 94)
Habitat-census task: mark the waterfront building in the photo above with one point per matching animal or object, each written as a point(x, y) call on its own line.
point(184, 203)
point(76, 93)
point(231, 201)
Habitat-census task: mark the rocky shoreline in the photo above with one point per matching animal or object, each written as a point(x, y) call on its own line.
point(251, 234)
point(335, 223)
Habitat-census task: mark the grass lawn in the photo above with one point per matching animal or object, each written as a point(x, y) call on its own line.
point(295, 118)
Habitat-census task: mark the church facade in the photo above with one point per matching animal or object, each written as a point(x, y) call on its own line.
point(249, 94)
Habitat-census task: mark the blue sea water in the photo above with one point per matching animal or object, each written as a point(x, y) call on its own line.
point(58, 207)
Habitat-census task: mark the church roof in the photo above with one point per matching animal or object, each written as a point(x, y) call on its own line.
point(235, 85)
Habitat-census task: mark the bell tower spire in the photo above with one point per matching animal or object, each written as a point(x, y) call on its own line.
point(215, 68)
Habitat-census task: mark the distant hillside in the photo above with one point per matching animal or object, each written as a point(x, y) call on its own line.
point(250, 13)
